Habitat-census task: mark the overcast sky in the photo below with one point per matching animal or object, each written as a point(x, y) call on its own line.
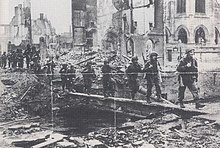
point(57, 11)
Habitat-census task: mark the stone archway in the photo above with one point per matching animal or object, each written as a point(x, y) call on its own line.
point(183, 34)
point(201, 33)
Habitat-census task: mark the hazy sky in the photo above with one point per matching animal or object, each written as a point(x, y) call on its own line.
point(57, 11)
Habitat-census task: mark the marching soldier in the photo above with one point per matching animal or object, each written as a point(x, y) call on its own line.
point(106, 80)
point(27, 54)
point(9, 56)
point(63, 72)
point(71, 75)
point(88, 76)
point(132, 72)
point(188, 69)
point(4, 60)
point(152, 69)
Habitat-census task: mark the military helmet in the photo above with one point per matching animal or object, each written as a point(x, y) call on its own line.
point(153, 53)
point(135, 58)
point(106, 61)
point(188, 50)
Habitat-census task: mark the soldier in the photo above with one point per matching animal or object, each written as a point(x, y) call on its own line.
point(9, 56)
point(152, 69)
point(71, 75)
point(36, 62)
point(63, 72)
point(20, 58)
point(188, 69)
point(106, 80)
point(14, 59)
point(132, 72)
point(4, 60)
point(50, 68)
point(88, 76)
point(27, 54)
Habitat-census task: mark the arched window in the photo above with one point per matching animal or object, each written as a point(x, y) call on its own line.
point(200, 6)
point(200, 36)
point(181, 6)
point(182, 35)
point(216, 36)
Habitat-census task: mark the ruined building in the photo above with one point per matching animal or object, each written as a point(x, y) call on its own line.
point(131, 27)
point(24, 30)
point(84, 21)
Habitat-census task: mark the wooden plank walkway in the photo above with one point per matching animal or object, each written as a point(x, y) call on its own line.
point(127, 105)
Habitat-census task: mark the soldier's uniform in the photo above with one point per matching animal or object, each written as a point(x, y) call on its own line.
point(71, 75)
point(4, 60)
point(152, 69)
point(188, 69)
point(106, 79)
point(9, 56)
point(88, 76)
point(132, 72)
point(27, 54)
point(63, 72)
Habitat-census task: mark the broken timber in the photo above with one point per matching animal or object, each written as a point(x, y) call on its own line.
point(128, 106)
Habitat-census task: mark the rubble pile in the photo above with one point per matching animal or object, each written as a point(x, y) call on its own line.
point(23, 95)
point(160, 133)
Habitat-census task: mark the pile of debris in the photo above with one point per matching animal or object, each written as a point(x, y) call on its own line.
point(32, 135)
point(165, 131)
point(23, 95)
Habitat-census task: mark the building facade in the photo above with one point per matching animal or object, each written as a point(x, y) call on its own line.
point(84, 25)
point(131, 27)
point(192, 24)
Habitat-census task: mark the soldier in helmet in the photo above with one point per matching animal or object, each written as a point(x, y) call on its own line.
point(106, 79)
point(188, 69)
point(152, 69)
point(88, 76)
point(132, 72)
point(63, 72)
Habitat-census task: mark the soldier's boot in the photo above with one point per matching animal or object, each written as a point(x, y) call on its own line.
point(198, 105)
point(182, 105)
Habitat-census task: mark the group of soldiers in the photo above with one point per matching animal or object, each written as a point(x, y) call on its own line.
point(187, 69)
point(188, 76)
point(16, 58)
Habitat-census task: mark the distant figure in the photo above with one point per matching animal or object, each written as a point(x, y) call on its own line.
point(71, 75)
point(188, 69)
point(14, 59)
point(50, 68)
point(88, 76)
point(107, 80)
point(27, 55)
point(20, 58)
point(132, 72)
point(152, 69)
point(9, 56)
point(63, 72)
point(36, 62)
point(4, 60)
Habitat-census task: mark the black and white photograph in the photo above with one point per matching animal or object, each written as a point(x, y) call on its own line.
point(109, 73)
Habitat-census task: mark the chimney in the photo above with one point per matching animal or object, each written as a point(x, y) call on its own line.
point(41, 16)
